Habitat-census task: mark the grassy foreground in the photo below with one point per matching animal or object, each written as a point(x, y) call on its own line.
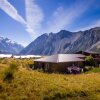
point(33, 85)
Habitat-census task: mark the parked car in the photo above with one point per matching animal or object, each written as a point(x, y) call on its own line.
point(74, 70)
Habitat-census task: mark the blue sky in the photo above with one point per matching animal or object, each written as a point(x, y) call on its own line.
point(24, 20)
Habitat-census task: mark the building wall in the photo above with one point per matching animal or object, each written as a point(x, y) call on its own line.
point(56, 67)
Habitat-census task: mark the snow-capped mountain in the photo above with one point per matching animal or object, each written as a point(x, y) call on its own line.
point(9, 46)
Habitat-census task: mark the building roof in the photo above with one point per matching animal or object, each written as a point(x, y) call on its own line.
point(88, 52)
point(62, 58)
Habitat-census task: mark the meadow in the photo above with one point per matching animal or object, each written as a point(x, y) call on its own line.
point(19, 82)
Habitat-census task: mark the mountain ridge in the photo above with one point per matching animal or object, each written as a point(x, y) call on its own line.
point(9, 46)
point(64, 42)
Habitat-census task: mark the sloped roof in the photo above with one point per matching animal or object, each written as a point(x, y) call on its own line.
point(89, 52)
point(62, 58)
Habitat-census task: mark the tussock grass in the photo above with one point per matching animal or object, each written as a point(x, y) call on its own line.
point(9, 72)
point(33, 85)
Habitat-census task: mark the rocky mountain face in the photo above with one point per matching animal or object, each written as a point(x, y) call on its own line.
point(65, 42)
point(8, 46)
point(85, 41)
point(96, 47)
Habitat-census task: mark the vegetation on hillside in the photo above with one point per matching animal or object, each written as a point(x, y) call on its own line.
point(28, 84)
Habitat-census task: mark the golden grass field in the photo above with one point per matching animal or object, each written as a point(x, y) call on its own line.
point(28, 84)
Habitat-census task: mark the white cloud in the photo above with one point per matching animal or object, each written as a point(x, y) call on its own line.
point(11, 11)
point(62, 17)
point(34, 17)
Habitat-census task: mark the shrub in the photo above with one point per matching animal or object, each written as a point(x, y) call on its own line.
point(14, 65)
point(9, 72)
point(4, 61)
point(27, 63)
point(90, 61)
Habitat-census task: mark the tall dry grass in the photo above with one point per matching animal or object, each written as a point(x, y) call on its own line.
point(33, 85)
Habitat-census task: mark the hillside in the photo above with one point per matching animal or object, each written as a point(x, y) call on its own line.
point(9, 46)
point(65, 42)
point(96, 47)
point(86, 41)
point(28, 84)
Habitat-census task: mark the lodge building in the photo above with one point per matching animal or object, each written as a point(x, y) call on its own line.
point(59, 62)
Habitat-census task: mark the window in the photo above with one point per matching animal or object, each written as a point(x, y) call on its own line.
point(47, 66)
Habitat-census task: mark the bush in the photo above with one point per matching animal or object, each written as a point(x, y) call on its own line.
point(27, 63)
point(4, 61)
point(9, 72)
point(14, 65)
point(90, 61)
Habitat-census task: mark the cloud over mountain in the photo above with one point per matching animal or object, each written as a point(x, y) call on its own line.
point(60, 18)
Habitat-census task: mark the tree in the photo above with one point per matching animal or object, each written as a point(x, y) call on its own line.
point(90, 60)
